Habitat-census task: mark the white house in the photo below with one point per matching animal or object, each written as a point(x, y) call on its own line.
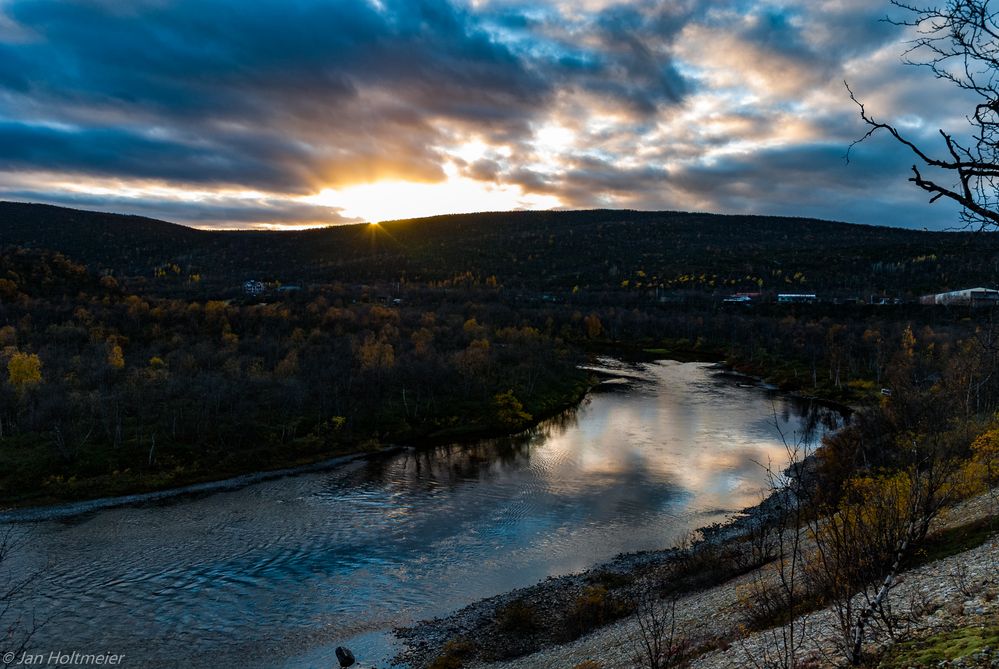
point(975, 297)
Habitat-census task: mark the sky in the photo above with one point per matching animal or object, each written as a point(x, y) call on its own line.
point(296, 113)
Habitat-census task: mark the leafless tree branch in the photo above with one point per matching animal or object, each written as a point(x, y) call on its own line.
point(959, 43)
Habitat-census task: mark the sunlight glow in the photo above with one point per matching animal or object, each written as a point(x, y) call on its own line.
point(389, 200)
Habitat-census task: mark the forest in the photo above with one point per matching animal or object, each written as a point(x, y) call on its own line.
point(645, 255)
point(127, 372)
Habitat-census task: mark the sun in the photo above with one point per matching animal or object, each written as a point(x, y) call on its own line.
point(389, 200)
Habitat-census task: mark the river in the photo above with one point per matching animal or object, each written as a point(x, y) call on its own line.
point(277, 573)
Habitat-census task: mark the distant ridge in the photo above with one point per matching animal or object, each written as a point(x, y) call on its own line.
point(557, 250)
point(108, 240)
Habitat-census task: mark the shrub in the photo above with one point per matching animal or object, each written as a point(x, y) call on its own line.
point(588, 664)
point(454, 655)
point(593, 608)
point(518, 617)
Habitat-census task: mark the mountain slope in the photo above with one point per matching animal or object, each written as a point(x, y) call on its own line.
point(596, 250)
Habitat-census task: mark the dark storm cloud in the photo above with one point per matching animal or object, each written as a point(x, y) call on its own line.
point(802, 180)
point(731, 105)
point(632, 67)
point(283, 88)
point(120, 151)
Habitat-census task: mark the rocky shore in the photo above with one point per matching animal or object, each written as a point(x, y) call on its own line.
point(518, 623)
point(955, 597)
point(528, 627)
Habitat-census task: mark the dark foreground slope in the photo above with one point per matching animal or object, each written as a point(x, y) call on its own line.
point(594, 250)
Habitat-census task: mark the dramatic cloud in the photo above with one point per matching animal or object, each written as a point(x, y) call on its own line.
point(310, 112)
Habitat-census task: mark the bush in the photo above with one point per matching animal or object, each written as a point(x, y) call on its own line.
point(518, 618)
point(454, 655)
point(593, 608)
point(588, 664)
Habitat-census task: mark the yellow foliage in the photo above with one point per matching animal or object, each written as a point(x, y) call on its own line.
point(8, 336)
point(908, 342)
point(215, 310)
point(24, 370)
point(8, 289)
point(524, 335)
point(473, 329)
point(509, 410)
point(475, 358)
point(116, 357)
point(986, 445)
point(862, 492)
point(329, 427)
point(983, 468)
point(376, 353)
point(288, 366)
point(379, 314)
point(423, 341)
point(594, 328)
point(137, 307)
point(873, 517)
point(230, 340)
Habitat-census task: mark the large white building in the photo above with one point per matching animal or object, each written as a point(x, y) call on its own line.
point(975, 297)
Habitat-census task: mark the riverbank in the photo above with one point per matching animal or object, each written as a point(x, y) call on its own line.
point(954, 583)
point(62, 498)
point(174, 475)
point(539, 625)
point(71, 509)
point(58, 494)
point(560, 609)
point(953, 597)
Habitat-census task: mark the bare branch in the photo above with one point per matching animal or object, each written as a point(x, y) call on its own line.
point(959, 43)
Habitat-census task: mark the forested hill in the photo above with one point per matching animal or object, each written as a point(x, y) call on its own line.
point(551, 251)
point(107, 240)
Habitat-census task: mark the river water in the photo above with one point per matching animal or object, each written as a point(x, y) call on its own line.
point(276, 574)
